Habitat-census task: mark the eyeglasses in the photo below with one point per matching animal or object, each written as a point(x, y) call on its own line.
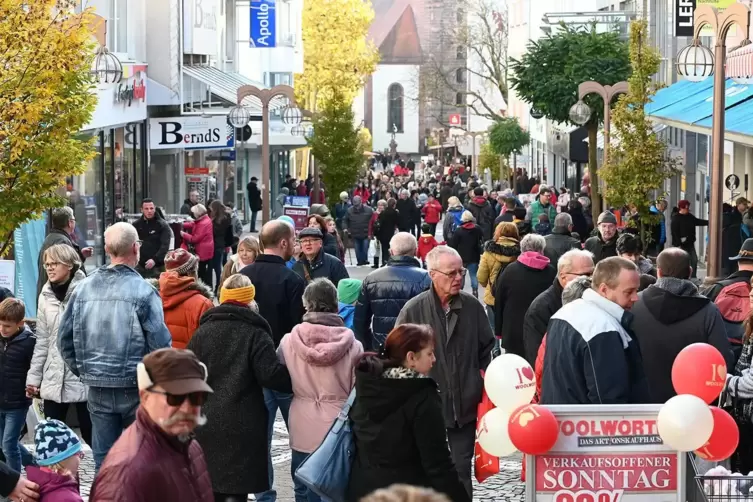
point(454, 274)
point(52, 264)
point(175, 400)
point(139, 242)
point(578, 274)
point(307, 242)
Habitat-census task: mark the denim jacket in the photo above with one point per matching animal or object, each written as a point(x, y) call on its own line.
point(113, 319)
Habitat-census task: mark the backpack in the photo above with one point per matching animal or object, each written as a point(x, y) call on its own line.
point(455, 222)
point(734, 305)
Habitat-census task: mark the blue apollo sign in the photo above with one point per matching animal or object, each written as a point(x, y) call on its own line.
point(263, 32)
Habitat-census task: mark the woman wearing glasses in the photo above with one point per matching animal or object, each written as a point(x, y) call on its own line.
point(235, 343)
point(49, 377)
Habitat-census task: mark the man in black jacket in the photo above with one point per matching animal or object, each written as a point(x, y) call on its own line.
point(356, 226)
point(191, 201)
point(560, 241)
point(671, 315)
point(604, 244)
point(155, 235)
point(386, 291)
point(254, 201)
point(63, 224)
point(315, 263)
point(683, 228)
point(572, 264)
point(406, 209)
point(482, 211)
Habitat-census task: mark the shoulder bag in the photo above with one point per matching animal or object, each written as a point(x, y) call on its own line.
point(327, 470)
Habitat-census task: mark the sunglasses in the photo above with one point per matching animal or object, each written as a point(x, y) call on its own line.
point(175, 400)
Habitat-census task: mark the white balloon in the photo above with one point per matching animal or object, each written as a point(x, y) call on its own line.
point(493, 435)
point(685, 422)
point(510, 382)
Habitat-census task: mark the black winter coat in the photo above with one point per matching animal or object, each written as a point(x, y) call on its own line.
point(383, 294)
point(279, 293)
point(537, 319)
point(387, 224)
point(323, 266)
point(600, 248)
point(467, 241)
point(356, 221)
point(558, 243)
point(406, 214)
point(8, 479)
point(329, 244)
point(682, 228)
point(15, 361)
point(222, 232)
point(236, 345)
point(155, 235)
point(400, 437)
point(445, 193)
point(517, 287)
point(484, 214)
point(580, 222)
point(254, 196)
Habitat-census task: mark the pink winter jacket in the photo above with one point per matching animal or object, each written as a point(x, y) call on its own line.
point(201, 237)
point(320, 354)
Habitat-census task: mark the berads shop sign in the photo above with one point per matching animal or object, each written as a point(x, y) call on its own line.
point(188, 132)
point(200, 27)
point(684, 19)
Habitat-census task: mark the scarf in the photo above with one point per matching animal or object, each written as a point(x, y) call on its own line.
point(59, 289)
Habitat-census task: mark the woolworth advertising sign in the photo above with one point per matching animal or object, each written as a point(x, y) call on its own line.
point(606, 453)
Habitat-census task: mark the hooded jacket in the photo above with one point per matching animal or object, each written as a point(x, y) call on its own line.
point(484, 214)
point(184, 301)
point(591, 356)
point(515, 289)
point(48, 371)
point(467, 241)
point(668, 317)
point(426, 243)
point(320, 354)
point(54, 487)
point(400, 436)
point(15, 359)
point(496, 256)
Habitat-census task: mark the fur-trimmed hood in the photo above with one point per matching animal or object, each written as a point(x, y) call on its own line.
point(176, 289)
point(504, 250)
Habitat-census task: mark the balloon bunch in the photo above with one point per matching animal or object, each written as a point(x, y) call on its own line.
point(686, 422)
point(514, 424)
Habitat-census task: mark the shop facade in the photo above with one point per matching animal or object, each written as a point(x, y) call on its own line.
point(116, 179)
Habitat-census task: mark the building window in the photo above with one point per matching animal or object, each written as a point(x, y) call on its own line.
point(460, 75)
point(460, 52)
point(117, 26)
point(279, 78)
point(395, 108)
point(459, 99)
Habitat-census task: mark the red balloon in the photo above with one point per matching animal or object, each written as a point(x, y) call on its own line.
point(699, 369)
point(533, 429)
point(724, 438)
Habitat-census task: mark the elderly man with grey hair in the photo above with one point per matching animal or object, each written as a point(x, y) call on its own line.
point(63, 225)
point(356, 226)
point(516, 287)
point(463, 346)
point(113, 319)
point(385, 291)
point(560, 241)
point(574, 263)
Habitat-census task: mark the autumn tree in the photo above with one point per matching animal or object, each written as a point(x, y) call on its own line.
point(337, 54)
point(45, 100)
point(337, 145)
point(637, 164)
point(507, 138)
point(488, 159)
point(547, 77)
point(474, 76)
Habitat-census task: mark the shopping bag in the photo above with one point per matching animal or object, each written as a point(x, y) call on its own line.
point(373, 252)
point(327, 471)
point(486, 465)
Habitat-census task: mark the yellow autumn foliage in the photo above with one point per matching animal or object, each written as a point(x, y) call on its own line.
point(337, 53)
point(45, 99)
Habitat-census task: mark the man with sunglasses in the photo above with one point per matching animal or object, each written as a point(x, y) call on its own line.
point(571, 265)
point(152, 459)
point(463, 347)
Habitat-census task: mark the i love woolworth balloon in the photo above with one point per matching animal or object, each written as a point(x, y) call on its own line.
point(685, 422)
point(700, 370)
point(724, 438)
point(492, 433)
point(509, 382)
point(533, 429)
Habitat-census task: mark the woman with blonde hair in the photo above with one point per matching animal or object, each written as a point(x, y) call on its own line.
point(500, 251)
point(48, 377)
point(248, 250)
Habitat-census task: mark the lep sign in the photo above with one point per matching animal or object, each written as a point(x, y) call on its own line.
point(684, 19)
point(455, 119)
point(263, 19)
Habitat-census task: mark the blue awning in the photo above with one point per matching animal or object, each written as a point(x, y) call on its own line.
point(736, 118)
point(675, 93)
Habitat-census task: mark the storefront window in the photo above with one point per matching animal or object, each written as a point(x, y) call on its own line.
point(109, 184)
point(133, 133)
point(164, 180)
point(85, 197)
point(124, 168)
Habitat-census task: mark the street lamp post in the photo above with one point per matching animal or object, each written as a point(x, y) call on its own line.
point(580, 113)
point(694, 65)
point(473, 135)
point(266, 96)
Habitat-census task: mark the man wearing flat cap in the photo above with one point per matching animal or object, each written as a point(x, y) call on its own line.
point(156, 458)
point(315, 263)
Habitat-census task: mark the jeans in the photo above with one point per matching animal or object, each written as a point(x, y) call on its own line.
point(308, 495)
point(59, 411)
point(111, 410)
point(362, 250)
point(472, 271)
point(11, 423)
point(275, 400)
point(215, 264)
point(252, 225)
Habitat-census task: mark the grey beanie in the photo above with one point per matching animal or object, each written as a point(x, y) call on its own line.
point(606, 217)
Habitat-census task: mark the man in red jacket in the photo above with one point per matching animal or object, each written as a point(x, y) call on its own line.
point(151, 460)
point(432, 212)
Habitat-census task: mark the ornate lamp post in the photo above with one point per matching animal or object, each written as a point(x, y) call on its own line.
point(266, 96)
point(473, 135)
point(695, 63)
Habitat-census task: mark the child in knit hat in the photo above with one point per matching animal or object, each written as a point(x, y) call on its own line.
point(59, 453)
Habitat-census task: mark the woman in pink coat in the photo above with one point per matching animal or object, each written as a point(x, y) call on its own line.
point(320, 354)
point(201, 239)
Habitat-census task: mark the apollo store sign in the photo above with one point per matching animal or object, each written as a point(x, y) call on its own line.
point(190, 132)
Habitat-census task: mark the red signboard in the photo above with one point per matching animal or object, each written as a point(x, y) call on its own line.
point(197, 171)
point(455, 119)
point(299, 214)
